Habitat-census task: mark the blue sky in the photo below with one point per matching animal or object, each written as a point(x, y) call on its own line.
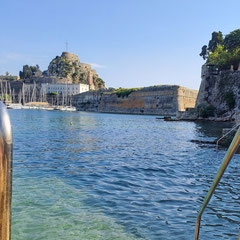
point(131, 43)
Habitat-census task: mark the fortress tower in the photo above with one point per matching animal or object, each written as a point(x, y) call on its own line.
point(70, 56)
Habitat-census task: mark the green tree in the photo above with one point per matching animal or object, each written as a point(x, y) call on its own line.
point(232, 41)
point(33, 69)
point(28, 71)
point(223, 52)
point(220, 58)
point(100, 83)
point(204, 52)
point(217, 40)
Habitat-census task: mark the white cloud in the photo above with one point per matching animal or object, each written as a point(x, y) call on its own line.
point(96, 65)
point(13, 61)
point(14, 56)
point(6, 58)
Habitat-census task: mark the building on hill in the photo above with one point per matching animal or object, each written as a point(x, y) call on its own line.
point(66, 68)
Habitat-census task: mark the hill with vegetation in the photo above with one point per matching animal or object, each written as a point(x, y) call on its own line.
point(65, 69)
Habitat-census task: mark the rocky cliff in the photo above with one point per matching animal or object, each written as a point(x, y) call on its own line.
point(160, 100)
point(219, 95)
point(69, 69)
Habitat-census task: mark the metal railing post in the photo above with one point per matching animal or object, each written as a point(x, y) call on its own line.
point(5, 173)
point(230, 152)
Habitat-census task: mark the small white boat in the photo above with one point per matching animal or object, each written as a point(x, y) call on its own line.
point(58, 107)
point(25, 107)
point(49, 108)
point(70, 108)
point(14, 106)
point(65, 108)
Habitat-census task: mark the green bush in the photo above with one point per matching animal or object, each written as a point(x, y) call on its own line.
point(125, 92)
point(206, 111)
point(52, 93)
point(229, 98)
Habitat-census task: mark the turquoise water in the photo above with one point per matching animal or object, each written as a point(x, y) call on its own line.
point(117, 177)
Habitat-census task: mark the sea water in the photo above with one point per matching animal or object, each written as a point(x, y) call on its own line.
point(111, 176)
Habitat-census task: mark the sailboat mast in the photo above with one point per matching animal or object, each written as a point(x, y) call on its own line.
point(6, 93)
point(23, 93)
point(2, 90)
point(10, 92)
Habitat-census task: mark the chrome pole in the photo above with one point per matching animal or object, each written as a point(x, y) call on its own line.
point(5, 173)
point(228, 156)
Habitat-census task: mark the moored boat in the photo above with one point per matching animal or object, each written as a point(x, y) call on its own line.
point(71, 108)
point(66, 108)
point(14, 106)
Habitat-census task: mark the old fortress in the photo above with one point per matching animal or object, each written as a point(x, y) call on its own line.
point(67, 69)
point(65, 75)
point(68, 78)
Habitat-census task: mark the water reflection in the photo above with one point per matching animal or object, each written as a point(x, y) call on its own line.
point(211, 129)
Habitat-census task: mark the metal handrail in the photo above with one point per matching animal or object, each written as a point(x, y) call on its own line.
point(5, 173)
point(226, 134)
point(228, 156)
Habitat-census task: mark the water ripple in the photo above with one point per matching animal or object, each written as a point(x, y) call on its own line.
point(117, 177)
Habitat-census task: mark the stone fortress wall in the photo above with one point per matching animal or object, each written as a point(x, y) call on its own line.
point(160, 100)
point(186, 98)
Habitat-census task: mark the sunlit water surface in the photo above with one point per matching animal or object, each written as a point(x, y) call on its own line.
point(117, 177)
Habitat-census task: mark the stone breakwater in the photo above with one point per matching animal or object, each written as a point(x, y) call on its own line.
point(160, 100)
